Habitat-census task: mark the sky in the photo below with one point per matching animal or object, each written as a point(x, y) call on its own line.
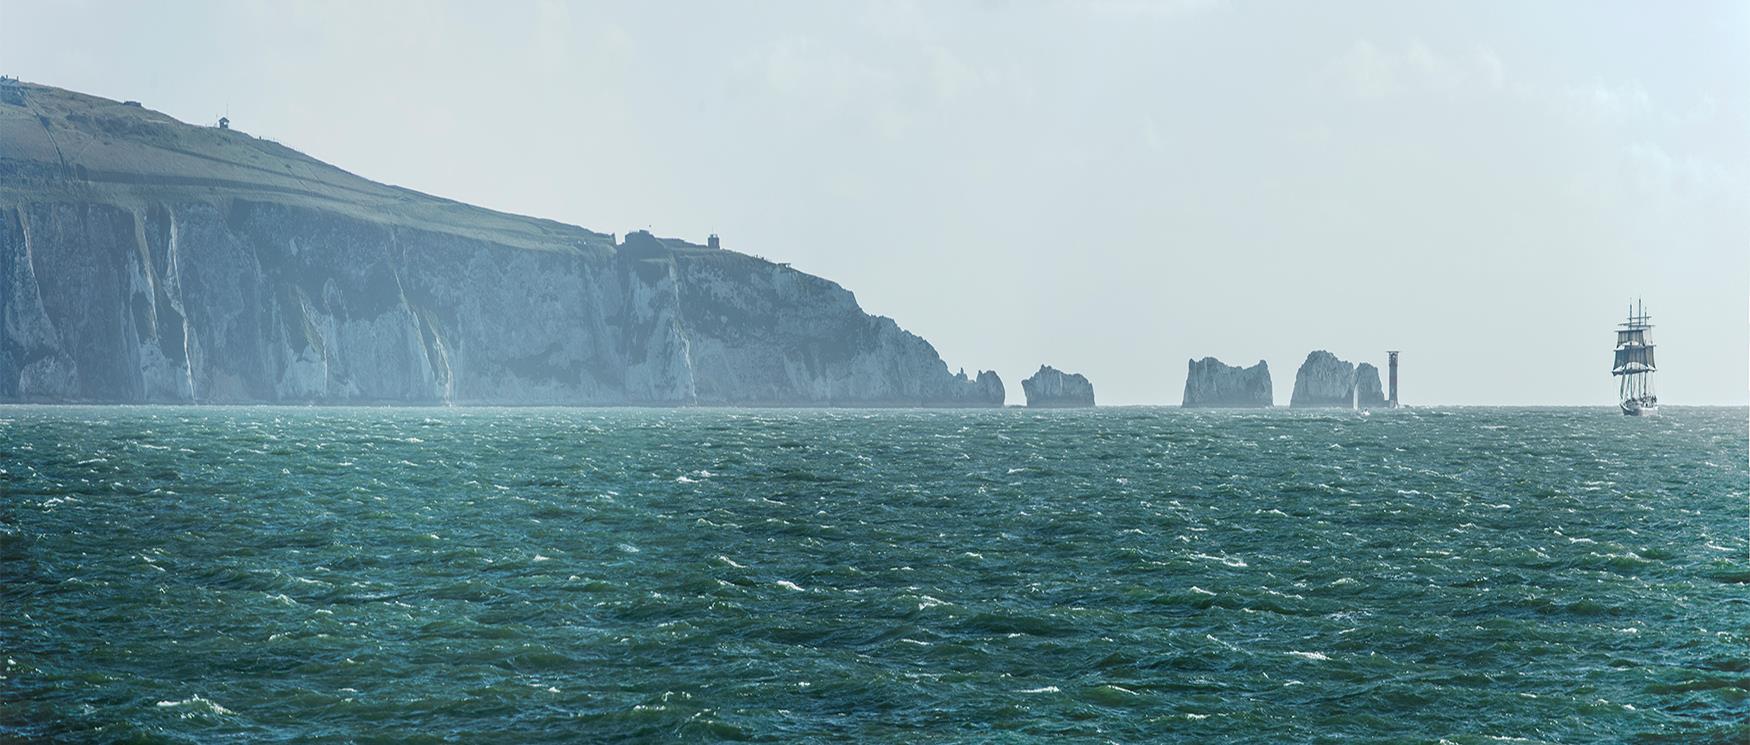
point(1110, 187)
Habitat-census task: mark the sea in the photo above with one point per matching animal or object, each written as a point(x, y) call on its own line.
point(530, 575)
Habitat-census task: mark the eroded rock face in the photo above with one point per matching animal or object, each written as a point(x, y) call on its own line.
point(260, 302)
point(1210, 383)
point(1324, 381)
point(179, 264)
point(1054, 388)
point(1369, 394)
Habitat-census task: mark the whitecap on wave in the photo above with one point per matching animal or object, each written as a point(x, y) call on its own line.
point(195, 703)
point(926, 602)
point(1227, 560)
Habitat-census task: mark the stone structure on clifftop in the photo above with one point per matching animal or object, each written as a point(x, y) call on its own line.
point(1210, 383)
point(1368, 392)
point(1054, 388)
point(1325, 381)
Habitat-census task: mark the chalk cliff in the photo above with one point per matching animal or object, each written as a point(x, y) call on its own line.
point(147, 260)
point(1369, 394)
point(1324, 380)
point(1210, 383)
point(1054, 388)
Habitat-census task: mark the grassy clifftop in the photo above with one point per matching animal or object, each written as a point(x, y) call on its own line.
point(60, 144)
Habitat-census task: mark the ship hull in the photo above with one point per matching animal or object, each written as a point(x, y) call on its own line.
point(1632, 407)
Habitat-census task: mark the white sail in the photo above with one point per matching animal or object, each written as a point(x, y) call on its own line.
point(1633, 359)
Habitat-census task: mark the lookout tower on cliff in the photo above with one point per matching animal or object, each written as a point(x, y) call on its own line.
point(713, 242)
point(224, 122)
point(10, 91)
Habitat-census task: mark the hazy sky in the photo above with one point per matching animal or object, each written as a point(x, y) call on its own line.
point(1108, 187)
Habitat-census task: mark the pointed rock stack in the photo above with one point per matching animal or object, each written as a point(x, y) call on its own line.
point(1054, 388)
point(1324, 381)
point(1368, 392)
point(1211, 384)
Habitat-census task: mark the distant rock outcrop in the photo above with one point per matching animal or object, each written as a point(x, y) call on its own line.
point(1324, 380)
point(1054, 388)
point(1368, 392)
point(1209, 383)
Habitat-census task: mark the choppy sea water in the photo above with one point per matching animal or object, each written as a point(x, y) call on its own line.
point(544, 575)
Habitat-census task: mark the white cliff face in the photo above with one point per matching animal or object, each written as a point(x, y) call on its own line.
point(1054, 388)
point(766, 334)
point(1210, 383)
point(1324, 381)
point(261, 302)
point(31, 359)
point(146, 260)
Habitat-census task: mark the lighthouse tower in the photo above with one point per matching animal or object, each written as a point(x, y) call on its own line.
point(1391, 400)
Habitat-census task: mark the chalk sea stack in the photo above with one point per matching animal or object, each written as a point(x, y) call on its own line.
point(147, 260)
point(1369, 394)
point(988, 387)
point(1054, 388)
point(1209, 383)
point(1324, 381)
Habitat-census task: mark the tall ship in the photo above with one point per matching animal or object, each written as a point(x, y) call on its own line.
point(1634, 366)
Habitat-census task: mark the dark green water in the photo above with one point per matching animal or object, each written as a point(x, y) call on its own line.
point(212, 575)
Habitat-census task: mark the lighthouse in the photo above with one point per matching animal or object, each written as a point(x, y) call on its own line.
point(1391, 400)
